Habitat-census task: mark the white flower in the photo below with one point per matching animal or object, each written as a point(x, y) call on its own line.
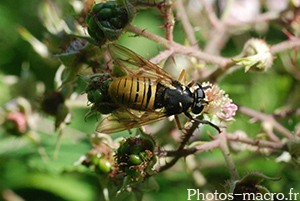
point(220, 106)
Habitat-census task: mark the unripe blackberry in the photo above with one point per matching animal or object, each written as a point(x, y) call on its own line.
point(107, 20)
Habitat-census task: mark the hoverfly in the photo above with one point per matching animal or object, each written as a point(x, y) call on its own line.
point(147, 94)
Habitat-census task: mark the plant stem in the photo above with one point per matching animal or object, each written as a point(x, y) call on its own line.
point(180, 149)
point(255, 142)
point(169, 18)
point(268, 118)
point(178, 48)
point(219, 33)
point(187, 27)
point(285, 45)
point(157, 39)
point(161, 56)
point(224, 148)
point(227, 9)
point(264, 17)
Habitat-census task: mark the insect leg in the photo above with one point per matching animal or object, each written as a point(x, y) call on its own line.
point(206, 87)
point(203, 87)
point(187, 124)
point(200, 85)
point(203, 121)
point(209, 123)
point(191, 83)
point(178, 122)
point(182, 74)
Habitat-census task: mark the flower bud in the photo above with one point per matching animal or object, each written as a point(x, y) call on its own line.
point(16, 123)
point(256, 53)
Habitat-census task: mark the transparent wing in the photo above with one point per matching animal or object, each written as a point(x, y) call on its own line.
point(136, 65)
point(125, 119)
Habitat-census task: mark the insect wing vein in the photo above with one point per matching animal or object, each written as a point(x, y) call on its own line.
point(125, 119)
point(136, 65)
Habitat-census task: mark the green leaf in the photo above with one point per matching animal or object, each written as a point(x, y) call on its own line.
point(249, 181)
point(66, 187)
point(88, 39)
point(254, 178)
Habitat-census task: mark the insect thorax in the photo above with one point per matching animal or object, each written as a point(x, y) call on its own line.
point(175, 99)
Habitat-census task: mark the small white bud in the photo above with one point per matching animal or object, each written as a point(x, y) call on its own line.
point(256, 53)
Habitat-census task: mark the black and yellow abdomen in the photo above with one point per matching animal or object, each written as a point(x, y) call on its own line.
point(134, 92)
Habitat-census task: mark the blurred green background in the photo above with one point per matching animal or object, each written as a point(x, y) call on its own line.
point(28, 169)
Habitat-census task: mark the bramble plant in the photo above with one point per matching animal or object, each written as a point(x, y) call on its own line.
point(244, 54)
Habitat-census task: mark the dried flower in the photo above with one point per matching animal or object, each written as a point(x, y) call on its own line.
point(256, 53)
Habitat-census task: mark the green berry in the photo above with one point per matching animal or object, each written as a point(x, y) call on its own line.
point(92, 24)
point(96, 158)
point(105, 24)
point(97, 7)
point(136, 149)
point(124, 149)
point(104, 165)
point(92, 33)
point(106, 13)
point(119, 12)
point(135, 159)
point(98, 96)
point(115, 22)
point(110, 4)
point(148, 141)
point(91, 96)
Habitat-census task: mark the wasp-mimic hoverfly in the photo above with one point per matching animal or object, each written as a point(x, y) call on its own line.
point(146, 94)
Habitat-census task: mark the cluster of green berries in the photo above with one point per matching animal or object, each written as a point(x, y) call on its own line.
point(97, 94)
point(135, 156)
point(106, 21)
point(102, 164)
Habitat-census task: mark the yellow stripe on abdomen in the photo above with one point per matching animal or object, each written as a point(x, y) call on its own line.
point(134, 92)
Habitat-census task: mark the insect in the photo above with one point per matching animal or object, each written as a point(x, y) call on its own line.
point(147, 94)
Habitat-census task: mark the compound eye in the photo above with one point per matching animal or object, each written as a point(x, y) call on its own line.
point(197, 109)
point(200, 93)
